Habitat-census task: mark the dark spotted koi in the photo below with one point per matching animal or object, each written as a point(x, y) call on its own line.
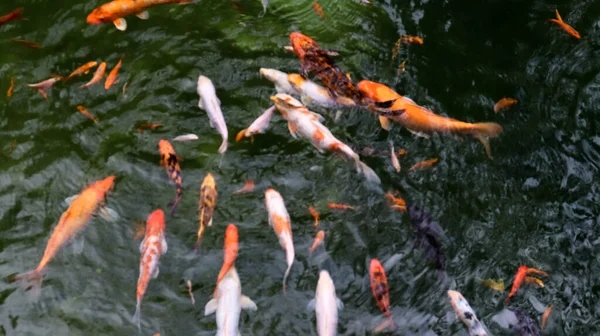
point(170, 160)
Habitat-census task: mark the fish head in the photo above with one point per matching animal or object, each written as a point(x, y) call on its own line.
point(165, 147)
point(271, 195)
point(100, 15)
point(375, 268)
point(286, 101)
point(455, 297)
point(106, 185)
point(325, 282)
point(209, 180)
point(155, 224)
point(302, 44)
point(203, 82)
point(376, 91)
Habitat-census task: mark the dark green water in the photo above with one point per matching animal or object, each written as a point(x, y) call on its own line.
point(535, 204)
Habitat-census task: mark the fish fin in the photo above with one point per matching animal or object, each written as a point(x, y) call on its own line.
point(311, 305)
point(558, 16)
point(70, 199)
point(201, 103)
point(211, 307)
point(384, 122)
point(163, 246)
point(306, 100)
point(340, 304)
point(419, 134)
point(385, 104)
point(209, 222)
point(108, 214)
point(319, 117)
point(390, 113)
point(136, 319)
point(121, 24)
point(247, 303)
point(77, 244)
point(486, 144)
point(285, 276)
point(144, 15)
point(142, 245)
point(410, 100)
point(155, 273)
point(369, 173)
point(31, 280)
point(241, 134)
point(292, 129)
point(223, 146)
point(333, 53)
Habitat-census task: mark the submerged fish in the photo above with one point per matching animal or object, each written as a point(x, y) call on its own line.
point(112, 76)
point(466, 314)
point(315, 214)
point(29, 44)
point(97, 75)
point(248, 187)
point(318, 240)
point(412, 40)
point(564, 26)
point(258, 126)
point(326, 305)
point(279, 220)
point(115, 10)
point(11, 88)
point(206, 205)
point(520, 277)
point(86, 113)
point(428, 236)
point(525, 325)
point(212, 105)
point(395, 162)
point(423, 164)
point(504, 103)
point(381, 292)
point(186, 137)
point(12, 16)
point(170, 160)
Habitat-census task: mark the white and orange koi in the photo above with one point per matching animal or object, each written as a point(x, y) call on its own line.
point(312, 93)
point(72, 221)
point(258, 126)
point(279, 220)
point(152, 247)
point(308, 125)
point(98, 75)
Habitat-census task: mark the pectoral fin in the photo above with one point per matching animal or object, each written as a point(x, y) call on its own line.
point(143, 15)
point(201, 104)
point(385, 123)
point(340, 304)
point(155, 273)
point(311, 305)
point(108, 214)
point(247, 303)
point(78, 243)
point(211, 307)
point(70, 199)
point(292, 129)
point(164, 247)
point(121, 24)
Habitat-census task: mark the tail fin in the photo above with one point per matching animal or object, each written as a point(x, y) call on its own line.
point(223, 147)
point(285, 276)
point(199, 240)
point(486, 131)
point(370, 175)
point(137, 316)
point(30, 280)
point(289, 255)
point(558, 19)
point(174, 204)
point(240, 135)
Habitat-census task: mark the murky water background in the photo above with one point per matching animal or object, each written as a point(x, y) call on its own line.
point(535, 204)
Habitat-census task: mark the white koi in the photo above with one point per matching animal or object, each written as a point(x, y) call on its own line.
point(228, 304)
point(279, 220)
point(280, 79)
point(186, 137)
point(312, 93)
point(259, 125)
point(326, 305)
point(212, 105)
point(466, 314)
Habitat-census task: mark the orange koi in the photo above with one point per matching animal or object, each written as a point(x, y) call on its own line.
point(318, 240)
point(170, 160)
point(504, 103)
point(116, 10)
point(72, 221)
point(12, 86)
point(86, 113)
point(112, 76)
point(151, 126)
point(318, 10)
point(340, 206)
point(12, 16)
point(379, 286)
point(423, 164)
point(84, 69)
point(152, 247)
point(279, 220)
point(520, 277)
point(206, 205)
point(315, 215)
point(97, 75)
point(545, 317)
point(396, 203)
point(29, 44)
point(402, 152)
point(412, 40)
point(564, 26)
point(230, 253)
point(248, 187)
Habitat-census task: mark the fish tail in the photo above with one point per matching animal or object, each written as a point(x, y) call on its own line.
point(223, 147)
point(240, 135)
point(136, 319)
point(486, 131)
point(31, 280)
point(370, 175)
point(199, 240)
point(285, 276)
point(175, 202)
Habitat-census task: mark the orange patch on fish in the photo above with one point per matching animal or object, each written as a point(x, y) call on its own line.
point(402, 152)
point(230, 252)
point(318, 135)
point(545, 317)
point(338, 206)
point(504, 103)
point(86, 113)
point(12, 86)
point(28, 44)
point(315, 215)
point(318, 240)
point(412, 40)
point(423, 164)
point(396, 203)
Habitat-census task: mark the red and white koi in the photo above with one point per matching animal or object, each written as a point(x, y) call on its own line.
point(212, 105)
point(279, 220)
point(326, 305)
point(152, 247)
point(466, 314)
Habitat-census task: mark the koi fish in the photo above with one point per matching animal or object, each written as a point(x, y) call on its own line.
point(402, 152)
point(212, 105)
point(318, 10)
point(395, 162)
point(29, 44)
point(313, 94)
point(170, 160)
point(421, 121)
point(428, 236)
point(186, 137)
point(84, 69)
point(401, 68)
point(279, 220)
point(44, 85)
point(72, 221)
point(230, 253)
point(564, 26)
point(315, 215)
point(307, 124)
point(338, 206)
point(150, 126)
point(11, 88)
point(423, 164)
point(265, 3)
point(112, 76)
point(228, 304)
point(385, 123)
point(12, 16)
point(545, 317)
point(520, 277)
point(466, 314)
point(86, 113)
point(248, 187)
point(152, 247)
point(396, 203)
point(326, 305)
point(206, 205)
point(97, 76)
point(280, 79)
point(525, 325)
point(381, 292)
point(396, 49)
point(318, 240)
point(189, 287)
point(504, 103)
point(412, 40)
point(495, 285)
point(116, 10)
point(259, 125)
point(534, 281)
point(316, 60)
